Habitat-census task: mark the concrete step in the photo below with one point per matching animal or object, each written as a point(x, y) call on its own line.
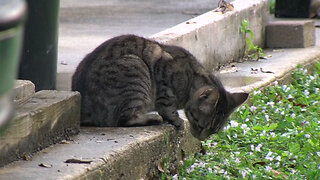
point(107, 153)
point(23, 90)
point(46, 117)
point(290, 34)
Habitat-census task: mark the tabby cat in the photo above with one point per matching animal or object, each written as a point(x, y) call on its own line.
point(128, 76)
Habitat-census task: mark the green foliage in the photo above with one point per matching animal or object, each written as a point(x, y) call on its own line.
point(253, 51)
point(272, 6)
point(275, 137)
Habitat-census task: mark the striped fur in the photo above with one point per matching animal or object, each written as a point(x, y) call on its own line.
point(128, 76)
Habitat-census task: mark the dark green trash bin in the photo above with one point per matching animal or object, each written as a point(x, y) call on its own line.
point(292, 8)
point(12, 14)
point(39, 54)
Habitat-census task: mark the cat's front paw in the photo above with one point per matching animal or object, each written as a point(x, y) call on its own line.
point(179, 124)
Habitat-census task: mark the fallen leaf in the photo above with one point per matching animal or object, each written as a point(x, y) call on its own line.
point(160, 168)
point(45, 165)
point(278, 173)
point(78, 161)
point(64, 142)
point(278, 50)
point(266, 71)
point(64, 63)
point(27, 158)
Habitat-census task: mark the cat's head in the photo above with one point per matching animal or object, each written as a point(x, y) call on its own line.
point(209, 108)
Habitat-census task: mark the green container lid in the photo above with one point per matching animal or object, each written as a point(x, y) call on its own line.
point(12, 13)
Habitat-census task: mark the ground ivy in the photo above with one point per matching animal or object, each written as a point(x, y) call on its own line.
point(276, 136)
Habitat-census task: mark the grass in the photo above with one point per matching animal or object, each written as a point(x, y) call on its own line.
point(275, 137)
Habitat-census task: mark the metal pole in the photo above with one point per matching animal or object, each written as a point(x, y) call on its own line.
point(39, 58)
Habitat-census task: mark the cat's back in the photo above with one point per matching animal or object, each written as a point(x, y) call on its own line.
point(103, 51)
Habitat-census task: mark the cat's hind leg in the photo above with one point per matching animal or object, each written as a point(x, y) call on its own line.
point(144, 120)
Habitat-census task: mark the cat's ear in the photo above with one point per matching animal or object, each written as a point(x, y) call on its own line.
point(208, 99)
point(236, 99)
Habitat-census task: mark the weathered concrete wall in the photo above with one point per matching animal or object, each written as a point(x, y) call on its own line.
point(215, 38)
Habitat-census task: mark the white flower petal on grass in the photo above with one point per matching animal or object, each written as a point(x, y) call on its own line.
point(303, 109)
point(252, 147)
point(293, 171)
point(222, 171)
point(307, 135)
point(202, 164)
point(306, 92)
point(235, 136)
point(258, 148)
point(256, 92)
point(246, 120)
point(253, 108)
point(268, 168)
point(254, 176)
point(234, 123)
point(210, 169)
point(311, 77)
point(316, 90)
point(293, 115)
point(244, 126)
point(282, 113)
point(290, 96)
point(318, 153)
point(175, 177)
point(267, 117)
point(278, 158)
point(226, 127)
point(243, 173)
point(269, 157)
point(270, 104)
point(237, 160)
point(275, 83)
point(272, 134)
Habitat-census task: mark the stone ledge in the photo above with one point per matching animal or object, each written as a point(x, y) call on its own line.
point(23, 90)
point(46, 118)
point(116, 153)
